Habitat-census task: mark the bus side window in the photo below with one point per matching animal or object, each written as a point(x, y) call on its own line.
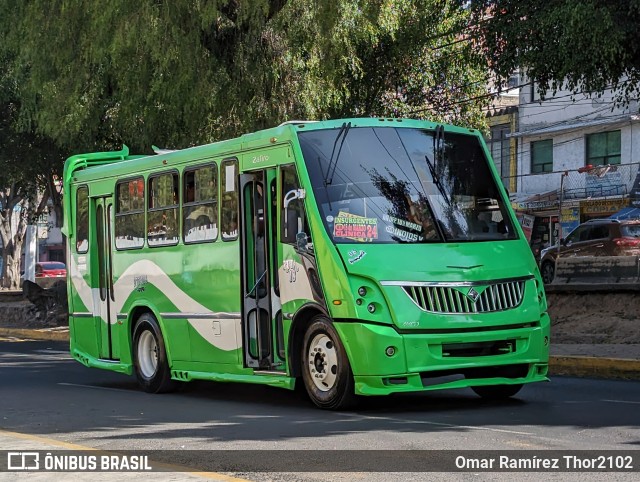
point(200, 204)
point(229, 199)
point(129, 230)
point(162, 224)
point(82, 220)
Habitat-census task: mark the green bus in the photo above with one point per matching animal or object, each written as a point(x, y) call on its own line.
point(355, 256)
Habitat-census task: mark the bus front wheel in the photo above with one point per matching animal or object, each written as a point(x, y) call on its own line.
point(496, 392)
point(325, 367)
point(150, 357)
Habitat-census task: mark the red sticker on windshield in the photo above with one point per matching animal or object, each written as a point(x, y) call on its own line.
point(357, 228)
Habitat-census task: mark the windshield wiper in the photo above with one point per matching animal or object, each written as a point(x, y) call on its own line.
point(326, 190)
point(438, 141)
point(344, 130)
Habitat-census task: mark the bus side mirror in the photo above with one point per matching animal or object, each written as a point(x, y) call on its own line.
point(301, 241)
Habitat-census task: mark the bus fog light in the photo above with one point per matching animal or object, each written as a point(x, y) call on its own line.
point(390, 351)
point(358, 301)
point(362, 291)
point(546, 340)
point(371, 307)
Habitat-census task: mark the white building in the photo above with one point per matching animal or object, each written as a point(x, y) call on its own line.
point(564, 133)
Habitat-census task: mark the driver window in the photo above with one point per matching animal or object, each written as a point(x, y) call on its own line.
point(575, 235)
point(599, 232)
point(294, 220)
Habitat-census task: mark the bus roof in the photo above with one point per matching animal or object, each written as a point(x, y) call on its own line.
point(89, 166)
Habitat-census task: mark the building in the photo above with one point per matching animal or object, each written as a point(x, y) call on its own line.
point(577, 159)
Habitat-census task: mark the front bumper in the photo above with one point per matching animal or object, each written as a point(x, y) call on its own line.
point(509, 354)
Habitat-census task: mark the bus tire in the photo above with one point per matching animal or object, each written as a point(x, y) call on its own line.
point(497, 392)
point(150, 356)
point(325, 367)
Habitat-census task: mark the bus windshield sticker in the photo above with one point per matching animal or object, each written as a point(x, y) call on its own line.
point(402, 222)
point(357, 228)
point(403, 235)
point(355, 256)
point(291, 268)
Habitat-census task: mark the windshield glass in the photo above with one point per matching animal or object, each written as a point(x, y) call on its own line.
point(632, 230)
point(395, 185)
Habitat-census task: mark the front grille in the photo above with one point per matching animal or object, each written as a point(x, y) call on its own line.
point(489, 297)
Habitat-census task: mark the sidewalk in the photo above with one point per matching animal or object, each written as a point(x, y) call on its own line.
point(580, 360)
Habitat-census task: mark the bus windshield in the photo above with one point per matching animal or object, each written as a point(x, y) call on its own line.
point(404, 185)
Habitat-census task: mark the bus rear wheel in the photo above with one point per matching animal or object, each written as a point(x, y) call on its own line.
point(497, 392)
point(325, 367)
point(150, 356)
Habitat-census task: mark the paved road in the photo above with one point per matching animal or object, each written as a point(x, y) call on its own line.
point(46, 394)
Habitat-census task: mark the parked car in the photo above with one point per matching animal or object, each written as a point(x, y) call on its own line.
point(597, 237)
point(48, 272)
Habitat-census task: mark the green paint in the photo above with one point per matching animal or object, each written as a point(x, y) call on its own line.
point(200, 286)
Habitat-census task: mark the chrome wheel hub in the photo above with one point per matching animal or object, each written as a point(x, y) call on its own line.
point(322, 362)
point(147, 354)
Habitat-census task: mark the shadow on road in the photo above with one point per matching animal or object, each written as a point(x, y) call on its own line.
point(44, 391)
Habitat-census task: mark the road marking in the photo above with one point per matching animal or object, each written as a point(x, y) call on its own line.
point(441, 424)
point(38, 357)
point(72, 446)
point(94, 387)
point(473, 427)
point(621, 401)
point(46, 440)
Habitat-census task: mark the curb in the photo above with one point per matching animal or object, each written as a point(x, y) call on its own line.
point(574, 366)
point(591, 367)
point(37, 334)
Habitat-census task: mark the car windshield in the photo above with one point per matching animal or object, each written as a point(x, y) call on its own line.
point(396, 185)
point(53, 265)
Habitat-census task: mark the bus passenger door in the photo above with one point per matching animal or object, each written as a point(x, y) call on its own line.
point(103, 216)
point(257, 191)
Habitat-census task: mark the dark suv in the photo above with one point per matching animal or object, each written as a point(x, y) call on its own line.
point(597, 237)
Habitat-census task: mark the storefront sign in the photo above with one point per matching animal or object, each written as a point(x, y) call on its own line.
point(526, 222)
point(534, 204)
point(605, 206)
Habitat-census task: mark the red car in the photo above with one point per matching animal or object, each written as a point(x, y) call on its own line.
point(48, 272)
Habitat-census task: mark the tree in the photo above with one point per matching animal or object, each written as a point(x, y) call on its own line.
point(181, 73)
point(28, 163)
point(588, 46)
point(395, 59)
point(83, 76)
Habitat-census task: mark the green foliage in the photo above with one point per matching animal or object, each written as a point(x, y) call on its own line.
point(92, 75)
point(592, 45)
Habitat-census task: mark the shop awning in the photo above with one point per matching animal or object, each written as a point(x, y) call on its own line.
point(626, 213)
point(545, 200)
